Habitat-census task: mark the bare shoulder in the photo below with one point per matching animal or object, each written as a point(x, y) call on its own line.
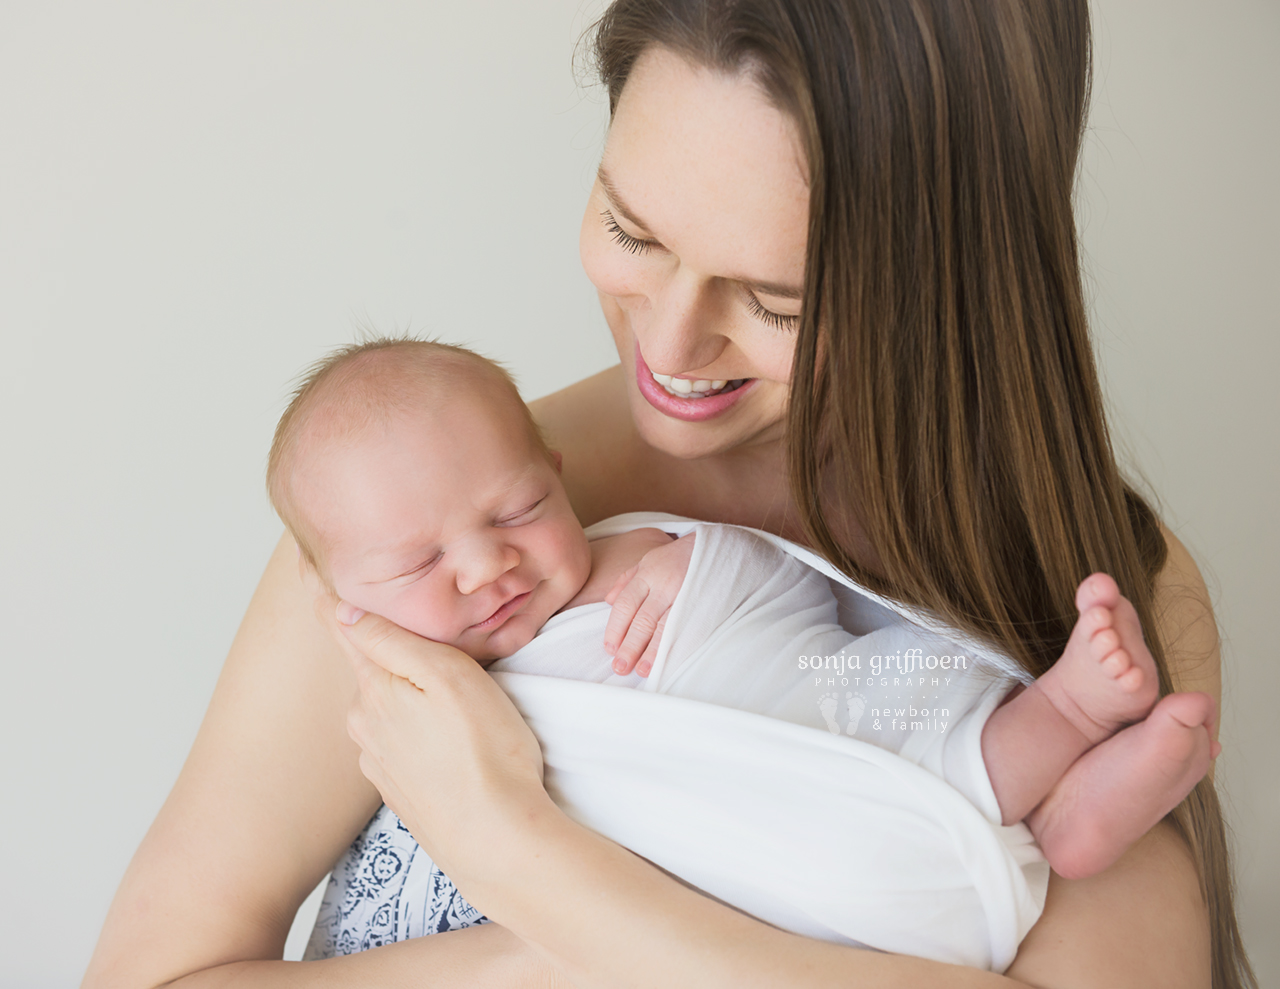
point(1184, 612)
point(590, 424)
point(1140, 923)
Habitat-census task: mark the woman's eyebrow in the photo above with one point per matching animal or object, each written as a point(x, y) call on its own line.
point(773, 289)
point(615, 197)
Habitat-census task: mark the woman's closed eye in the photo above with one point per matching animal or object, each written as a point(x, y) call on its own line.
point(635, 245)
point(632, 245)
point(779, 321)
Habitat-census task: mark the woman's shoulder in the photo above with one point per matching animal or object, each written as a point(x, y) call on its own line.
point(1184, 611)
point(590, 424)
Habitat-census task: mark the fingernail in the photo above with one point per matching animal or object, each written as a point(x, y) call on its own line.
point(643, 669)
point(619, 666)
point(349, 614)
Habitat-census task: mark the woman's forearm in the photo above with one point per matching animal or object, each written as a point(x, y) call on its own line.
point(608, 919)
point(483, 957)
point(599, 914)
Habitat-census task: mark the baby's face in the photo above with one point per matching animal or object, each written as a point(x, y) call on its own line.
point(451, 523)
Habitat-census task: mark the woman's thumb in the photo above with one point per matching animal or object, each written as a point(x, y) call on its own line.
point(382, 642)
point(396, 649)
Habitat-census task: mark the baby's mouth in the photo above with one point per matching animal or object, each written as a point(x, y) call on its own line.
point(695, 388)
point(504, 612)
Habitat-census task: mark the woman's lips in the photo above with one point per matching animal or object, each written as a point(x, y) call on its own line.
point(688, 409)
point(503, 613)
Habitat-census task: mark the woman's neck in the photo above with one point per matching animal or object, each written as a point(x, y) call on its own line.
point(609, 469)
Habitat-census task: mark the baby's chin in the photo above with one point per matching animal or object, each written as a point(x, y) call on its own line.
point(516, 633)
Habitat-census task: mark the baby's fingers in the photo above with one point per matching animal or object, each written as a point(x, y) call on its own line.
point(641, 639)
point(620, 583)
point(651, 650)
point(625, 606)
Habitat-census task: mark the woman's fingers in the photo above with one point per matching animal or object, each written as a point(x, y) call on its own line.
point(394, 649)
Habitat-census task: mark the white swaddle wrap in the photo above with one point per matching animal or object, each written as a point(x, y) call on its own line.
point(841, 796)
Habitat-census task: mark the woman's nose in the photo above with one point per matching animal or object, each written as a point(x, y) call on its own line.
point(684, 328)
point(484, 560)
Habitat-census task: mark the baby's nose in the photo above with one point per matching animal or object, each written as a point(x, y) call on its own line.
point(485, 561)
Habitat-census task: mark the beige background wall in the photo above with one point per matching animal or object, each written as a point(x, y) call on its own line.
point(198, 199)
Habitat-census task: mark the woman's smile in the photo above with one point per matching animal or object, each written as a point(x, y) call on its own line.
point(690, 399)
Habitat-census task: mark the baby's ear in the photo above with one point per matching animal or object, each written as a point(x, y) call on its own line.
point(559, 460)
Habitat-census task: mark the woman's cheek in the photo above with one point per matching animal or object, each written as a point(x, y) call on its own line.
point(611, 269)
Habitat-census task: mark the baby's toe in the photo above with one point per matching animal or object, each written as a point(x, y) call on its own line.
point(1095, 619)
point(1132, 680)
point(1097, 590)
point(1103, 646)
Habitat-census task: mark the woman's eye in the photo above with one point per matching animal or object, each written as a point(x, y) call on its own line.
point(770, 318)
point(632, 245)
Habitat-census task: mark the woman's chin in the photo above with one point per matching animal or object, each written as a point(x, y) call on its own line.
point(743, 427)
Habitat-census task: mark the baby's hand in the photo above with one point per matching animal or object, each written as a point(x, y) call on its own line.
point(641, 599)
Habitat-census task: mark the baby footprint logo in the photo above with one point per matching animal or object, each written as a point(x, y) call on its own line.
point(827, 705)
point(857, 704)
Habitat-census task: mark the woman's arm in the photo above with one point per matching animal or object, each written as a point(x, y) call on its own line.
point(1140, 923)
point(269, 797)
point(483, 957)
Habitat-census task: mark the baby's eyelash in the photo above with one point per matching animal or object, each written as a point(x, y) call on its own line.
point(522, 513)
point(633, 245)
point(421, 568)
point(770, 318)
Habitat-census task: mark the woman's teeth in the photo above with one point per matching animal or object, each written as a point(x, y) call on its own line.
point(700, 388)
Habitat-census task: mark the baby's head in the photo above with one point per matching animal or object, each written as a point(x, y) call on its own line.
point(417, 486)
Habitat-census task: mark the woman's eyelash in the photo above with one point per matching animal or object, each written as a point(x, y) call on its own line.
point(633, 245)
point(770, 318)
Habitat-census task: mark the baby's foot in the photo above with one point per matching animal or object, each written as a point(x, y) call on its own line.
point(1106, 677)
point(1120, 789)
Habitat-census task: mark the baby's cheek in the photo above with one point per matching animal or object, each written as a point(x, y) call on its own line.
point(424, 613)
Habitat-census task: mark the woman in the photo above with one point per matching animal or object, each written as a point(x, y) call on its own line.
point(862, 212)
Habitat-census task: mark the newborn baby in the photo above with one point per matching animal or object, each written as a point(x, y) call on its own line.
point(418, 487)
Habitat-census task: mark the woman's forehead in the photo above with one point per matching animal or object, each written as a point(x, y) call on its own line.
point(714, 170)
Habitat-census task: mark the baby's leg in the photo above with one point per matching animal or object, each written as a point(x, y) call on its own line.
point(1118, 791)
point(1106, 678)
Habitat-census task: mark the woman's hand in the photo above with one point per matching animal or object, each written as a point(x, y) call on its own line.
point(443, 744)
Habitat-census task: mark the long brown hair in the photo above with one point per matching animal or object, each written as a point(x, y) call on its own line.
point(944, 399)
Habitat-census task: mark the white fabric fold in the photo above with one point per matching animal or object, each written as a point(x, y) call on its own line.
point(730, 767)
point(800, 751)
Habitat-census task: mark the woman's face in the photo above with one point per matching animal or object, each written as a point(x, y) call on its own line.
point(694, 237)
